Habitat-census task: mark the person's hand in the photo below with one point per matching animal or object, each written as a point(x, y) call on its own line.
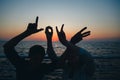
point(61, 35)
point(49, 33)
point(32, 27)
point(79, 36)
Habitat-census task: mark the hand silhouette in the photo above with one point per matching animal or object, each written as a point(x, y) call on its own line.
point(32, 27)
point(61, 35)
point(49, 33)
point(79, 36)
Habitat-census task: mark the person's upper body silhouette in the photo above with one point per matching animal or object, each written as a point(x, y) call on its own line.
point(33, 69)
point(79, 64)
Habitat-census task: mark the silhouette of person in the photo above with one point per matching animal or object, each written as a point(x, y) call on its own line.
point(79, 64)
point(32, 69)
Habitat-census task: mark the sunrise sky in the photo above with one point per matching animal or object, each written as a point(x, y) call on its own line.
point(100, 16)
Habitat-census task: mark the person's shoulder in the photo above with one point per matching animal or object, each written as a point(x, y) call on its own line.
point(82, 50)
point(85, 52)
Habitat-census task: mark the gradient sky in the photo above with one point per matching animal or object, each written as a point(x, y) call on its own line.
point(100, 16)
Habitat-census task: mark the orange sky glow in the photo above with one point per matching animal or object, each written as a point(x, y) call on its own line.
point(101, 17)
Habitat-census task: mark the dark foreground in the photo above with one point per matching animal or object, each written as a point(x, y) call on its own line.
point(107, 68)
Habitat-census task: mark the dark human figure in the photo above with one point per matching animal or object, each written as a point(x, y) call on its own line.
point(79, 64)
point(33, 69)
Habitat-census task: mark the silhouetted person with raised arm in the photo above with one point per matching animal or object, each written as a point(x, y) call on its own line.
point(50, 51)
point(79, 63)
point(32, 69)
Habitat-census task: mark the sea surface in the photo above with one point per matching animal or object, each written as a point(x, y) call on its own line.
point(106, 54)
point(95, 47)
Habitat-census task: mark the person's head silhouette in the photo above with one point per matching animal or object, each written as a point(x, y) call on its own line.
point(36, 54)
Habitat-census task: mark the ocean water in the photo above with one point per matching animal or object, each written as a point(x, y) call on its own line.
point(95, 47)
point(106, 54)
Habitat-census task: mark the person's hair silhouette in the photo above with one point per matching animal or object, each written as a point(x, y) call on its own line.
point(36, 53)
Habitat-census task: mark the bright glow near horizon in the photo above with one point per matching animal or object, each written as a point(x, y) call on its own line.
point(101, 17)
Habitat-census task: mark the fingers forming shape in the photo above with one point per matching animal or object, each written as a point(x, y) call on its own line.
point(83, 29)
point(86, 34)
point(57, 30)
point(62, 27)
point(36, 21)
point(49, 29)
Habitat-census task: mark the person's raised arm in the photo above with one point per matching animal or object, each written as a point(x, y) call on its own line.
point(9, 47)
point(70, 47)
point(79, 36)
point(62, 38)
point(75, 39)
point(50, 50)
